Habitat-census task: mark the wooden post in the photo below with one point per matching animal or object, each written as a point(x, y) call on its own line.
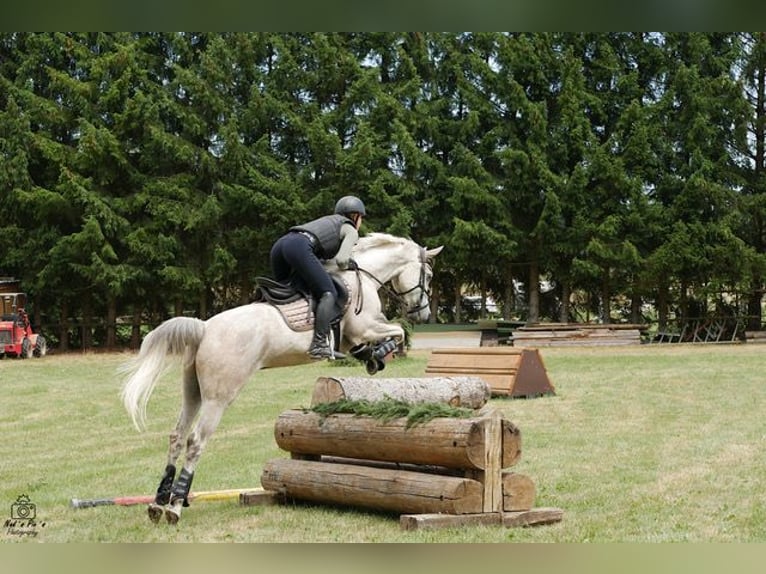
point(493, 461)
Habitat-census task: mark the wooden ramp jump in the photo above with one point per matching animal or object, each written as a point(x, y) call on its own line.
point(509, 371)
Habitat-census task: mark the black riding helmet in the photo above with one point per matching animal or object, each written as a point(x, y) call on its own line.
point(349, 204)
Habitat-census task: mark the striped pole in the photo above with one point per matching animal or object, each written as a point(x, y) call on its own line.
point(146, 499)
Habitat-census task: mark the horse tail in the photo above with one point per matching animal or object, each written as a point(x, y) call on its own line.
point(171, 337)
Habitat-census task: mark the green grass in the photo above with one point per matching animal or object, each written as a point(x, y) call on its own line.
point(640, 444)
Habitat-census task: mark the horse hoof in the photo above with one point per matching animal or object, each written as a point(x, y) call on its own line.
point(372, 367)
point(172, 514)
point(155, 512)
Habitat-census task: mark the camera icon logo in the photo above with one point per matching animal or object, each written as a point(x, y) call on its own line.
point(23, 508)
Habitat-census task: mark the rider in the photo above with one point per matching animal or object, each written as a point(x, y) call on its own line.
point(299, 255)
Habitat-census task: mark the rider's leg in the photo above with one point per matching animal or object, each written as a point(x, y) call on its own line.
point(320, 344)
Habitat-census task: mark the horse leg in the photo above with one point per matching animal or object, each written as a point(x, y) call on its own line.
point(189, 409)
point(155, 509)
point(210, 416)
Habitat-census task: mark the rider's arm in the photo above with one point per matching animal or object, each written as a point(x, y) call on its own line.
point(348, 238)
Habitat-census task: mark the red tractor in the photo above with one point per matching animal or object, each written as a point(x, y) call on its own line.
point(16, 336)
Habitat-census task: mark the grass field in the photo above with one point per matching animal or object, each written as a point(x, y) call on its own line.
point(640, 444)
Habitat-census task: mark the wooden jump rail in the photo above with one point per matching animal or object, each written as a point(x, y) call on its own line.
point(445, 472)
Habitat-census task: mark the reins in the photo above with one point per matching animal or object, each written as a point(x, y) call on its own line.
point(391, 291)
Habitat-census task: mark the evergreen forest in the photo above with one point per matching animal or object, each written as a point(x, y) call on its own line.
point(571, 177)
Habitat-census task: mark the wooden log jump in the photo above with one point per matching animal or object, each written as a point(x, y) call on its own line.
point(459, 391)
point(444, 472)
point(509, 372)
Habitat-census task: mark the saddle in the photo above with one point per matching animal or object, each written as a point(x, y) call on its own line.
point(296, 305)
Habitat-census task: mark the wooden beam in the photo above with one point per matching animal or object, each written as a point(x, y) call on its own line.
point(532, 517)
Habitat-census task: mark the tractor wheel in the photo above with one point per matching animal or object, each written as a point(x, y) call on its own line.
point(41, 347)
point(26, 348)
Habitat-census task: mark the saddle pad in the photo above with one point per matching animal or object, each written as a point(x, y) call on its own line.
point(298, 316)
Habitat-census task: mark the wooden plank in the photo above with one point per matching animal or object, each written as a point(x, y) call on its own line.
point(434, 521)
point(443, 441)
point(260, 497)
point(555, 335)
point(580, 326)
point(374, 488)
point(532, 517)
point(466, 391)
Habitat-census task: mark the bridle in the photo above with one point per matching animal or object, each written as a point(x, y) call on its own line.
point(399, 295)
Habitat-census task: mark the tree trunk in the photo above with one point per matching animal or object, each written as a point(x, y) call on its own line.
point(458, 303)
point(135, 330)
point(509, 296)
point(606, 296)
point(111, 323)
point(64, 327)
point(754, 312)
point(533, 296)
point(566, 293)
point(87, 322)
point(662, 306)
point(434, 303)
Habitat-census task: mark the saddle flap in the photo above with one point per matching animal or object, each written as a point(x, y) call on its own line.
point(276, 293)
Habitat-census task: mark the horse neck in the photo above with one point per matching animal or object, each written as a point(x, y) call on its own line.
point(383, 263)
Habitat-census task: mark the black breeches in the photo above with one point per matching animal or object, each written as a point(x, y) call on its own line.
point(293, 259)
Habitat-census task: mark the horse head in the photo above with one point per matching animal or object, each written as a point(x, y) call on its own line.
point(402, 263)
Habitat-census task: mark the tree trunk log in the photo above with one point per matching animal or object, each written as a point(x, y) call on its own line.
point(469, 392)
point(450, 442)
point(359, 486)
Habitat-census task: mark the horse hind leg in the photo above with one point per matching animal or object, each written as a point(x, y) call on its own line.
point(189, 409)
point(155, 509)
point(210, 417)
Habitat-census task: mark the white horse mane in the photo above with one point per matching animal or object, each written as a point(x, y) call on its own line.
point(376, 239)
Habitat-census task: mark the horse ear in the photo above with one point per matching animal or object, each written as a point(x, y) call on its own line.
point(431, 253)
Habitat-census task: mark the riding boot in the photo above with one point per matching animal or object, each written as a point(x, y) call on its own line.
point(320, 344)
